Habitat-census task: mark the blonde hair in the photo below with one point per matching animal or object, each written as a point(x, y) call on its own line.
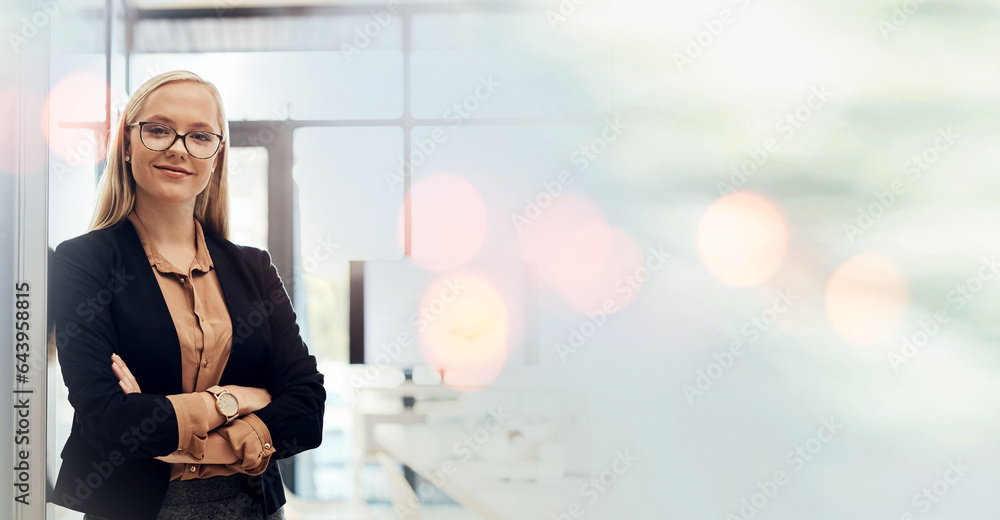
point(116, 189)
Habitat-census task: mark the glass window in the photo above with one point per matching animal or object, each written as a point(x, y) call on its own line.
point(265, 86)
point(345, 210)
point(347, 192)
point(73, 121)
point(248, 195)
point(468, 65)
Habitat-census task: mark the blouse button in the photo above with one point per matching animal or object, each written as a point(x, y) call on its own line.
point(192, 469)
point(267, 445)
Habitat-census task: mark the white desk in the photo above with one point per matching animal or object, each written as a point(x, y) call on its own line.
point(428, 450)
point(366, 417)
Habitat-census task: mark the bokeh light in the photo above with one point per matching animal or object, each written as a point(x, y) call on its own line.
point(866, 299)
point(742, 239)
point(77, 98)
point(464, 329)
point(449, 222)
point(573, 249)
point(596, 264)
point(565, 243)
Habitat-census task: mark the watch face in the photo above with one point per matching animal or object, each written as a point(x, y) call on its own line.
point(228, 404)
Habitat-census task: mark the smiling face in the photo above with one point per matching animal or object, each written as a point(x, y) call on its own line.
point(173, 176)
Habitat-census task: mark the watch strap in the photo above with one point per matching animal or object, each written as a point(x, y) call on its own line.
point(217, 391)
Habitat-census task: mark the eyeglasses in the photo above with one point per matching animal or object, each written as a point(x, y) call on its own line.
point(158, 137)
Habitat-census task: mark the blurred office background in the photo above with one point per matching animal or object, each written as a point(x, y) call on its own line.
point(600, 259)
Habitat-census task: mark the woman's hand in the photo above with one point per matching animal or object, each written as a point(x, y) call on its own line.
point(125, 378)
point(250, 398)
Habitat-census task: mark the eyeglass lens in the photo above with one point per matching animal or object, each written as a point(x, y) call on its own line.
point(157, 137)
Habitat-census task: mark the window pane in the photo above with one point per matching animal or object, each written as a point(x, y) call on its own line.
point(501, 65)
point(248, 195)
point(344, 210)
point(514, 168)
point(76, 108)
point(347, 192)
point(300, 85)
point(378, 29)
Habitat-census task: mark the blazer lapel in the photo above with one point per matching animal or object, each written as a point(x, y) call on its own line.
point(249, 323)
point(147, 335)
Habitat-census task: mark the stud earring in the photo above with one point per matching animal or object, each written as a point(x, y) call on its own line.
point(127, 158)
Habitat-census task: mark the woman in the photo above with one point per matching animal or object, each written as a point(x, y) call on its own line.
point(176, 414)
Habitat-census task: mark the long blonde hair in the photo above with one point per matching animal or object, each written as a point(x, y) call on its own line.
point(116, 189)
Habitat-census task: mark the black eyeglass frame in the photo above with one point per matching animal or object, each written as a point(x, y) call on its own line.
point(182, 137)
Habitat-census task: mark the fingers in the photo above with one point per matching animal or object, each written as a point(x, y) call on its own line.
point(117, 360)
point(128, 373)
point(125, 378)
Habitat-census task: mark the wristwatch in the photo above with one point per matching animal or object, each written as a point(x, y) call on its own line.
point(226, 403)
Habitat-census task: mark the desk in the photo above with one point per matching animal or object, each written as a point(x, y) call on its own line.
point(476, 484)
point(366, 417)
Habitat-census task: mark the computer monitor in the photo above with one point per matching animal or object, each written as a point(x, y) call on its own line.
point(404, 314)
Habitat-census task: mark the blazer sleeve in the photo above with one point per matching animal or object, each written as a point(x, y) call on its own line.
point(294, 417)
point(84, 283)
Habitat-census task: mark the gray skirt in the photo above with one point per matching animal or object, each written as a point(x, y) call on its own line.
point(216, 498)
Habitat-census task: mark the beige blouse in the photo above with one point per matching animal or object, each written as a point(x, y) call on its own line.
point(204, 329)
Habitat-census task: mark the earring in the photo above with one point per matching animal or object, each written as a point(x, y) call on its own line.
point(127, 158)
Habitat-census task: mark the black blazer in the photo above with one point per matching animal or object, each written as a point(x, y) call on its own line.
point(105, 299)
